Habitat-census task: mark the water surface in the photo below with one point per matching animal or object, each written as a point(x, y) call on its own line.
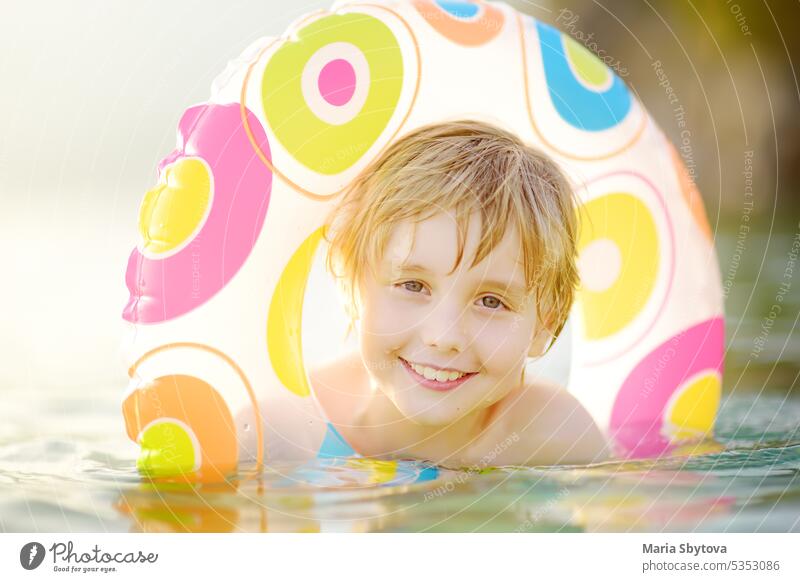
point(66, 466)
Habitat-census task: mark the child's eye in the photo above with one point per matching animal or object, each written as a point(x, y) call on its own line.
point(492, 302)
point(413, 286)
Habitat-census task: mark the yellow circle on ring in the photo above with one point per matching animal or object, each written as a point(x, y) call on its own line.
point(692, 410)
point(174, 210)
point(625, 220)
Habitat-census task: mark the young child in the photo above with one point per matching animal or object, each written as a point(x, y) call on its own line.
point(455, 250)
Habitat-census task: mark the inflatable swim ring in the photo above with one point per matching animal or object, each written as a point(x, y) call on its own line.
point(228, 306)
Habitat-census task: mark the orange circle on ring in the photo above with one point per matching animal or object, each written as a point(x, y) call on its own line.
point(464, 32)
point(131, 414)
point(199, 405)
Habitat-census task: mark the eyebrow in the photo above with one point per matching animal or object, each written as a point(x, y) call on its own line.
point(409, 268)
point(494, 283)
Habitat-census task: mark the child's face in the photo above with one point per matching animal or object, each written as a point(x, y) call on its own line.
point(478, 322)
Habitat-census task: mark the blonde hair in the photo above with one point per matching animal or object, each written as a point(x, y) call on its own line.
point(465, 166)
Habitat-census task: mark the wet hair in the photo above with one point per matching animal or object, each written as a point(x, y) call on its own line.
point(463, 167)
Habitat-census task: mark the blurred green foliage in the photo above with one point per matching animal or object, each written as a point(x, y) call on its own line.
point(731, 65)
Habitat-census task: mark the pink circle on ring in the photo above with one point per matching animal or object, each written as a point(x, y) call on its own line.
point(637, 415)
point(337, 82)
point(162, 289)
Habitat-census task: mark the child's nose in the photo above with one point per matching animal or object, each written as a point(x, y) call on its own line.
point(443, 328)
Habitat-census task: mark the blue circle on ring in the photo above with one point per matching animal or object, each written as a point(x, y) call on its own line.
point(458, 9)
point(579, 106)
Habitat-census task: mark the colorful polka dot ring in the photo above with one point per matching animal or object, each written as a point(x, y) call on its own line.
point(230, 305)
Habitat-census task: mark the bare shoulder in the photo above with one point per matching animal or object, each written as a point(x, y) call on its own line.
point(337, 371)
point(340, 385)
point(553, 428)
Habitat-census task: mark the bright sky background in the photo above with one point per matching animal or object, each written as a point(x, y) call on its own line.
point(92, 91)
point(91, 95)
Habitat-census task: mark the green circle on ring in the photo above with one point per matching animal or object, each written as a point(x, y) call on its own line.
point(318, 145)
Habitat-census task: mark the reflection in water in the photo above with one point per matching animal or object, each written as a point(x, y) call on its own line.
point(180, 508)
point(746, 480)
point(301, 498)
point(372, 495)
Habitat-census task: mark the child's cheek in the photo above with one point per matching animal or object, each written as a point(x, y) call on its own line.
point(386, 313)
point(501, 340)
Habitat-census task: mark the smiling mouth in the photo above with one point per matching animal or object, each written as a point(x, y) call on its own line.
point(436, 379)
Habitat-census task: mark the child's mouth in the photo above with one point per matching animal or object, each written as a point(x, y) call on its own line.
point(447, 381)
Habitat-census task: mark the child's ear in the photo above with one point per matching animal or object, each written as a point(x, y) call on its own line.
point(539, 342)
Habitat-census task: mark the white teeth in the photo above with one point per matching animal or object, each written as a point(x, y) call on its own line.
point(438, 375)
